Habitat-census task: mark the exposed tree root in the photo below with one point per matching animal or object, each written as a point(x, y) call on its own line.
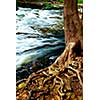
point(60, 81)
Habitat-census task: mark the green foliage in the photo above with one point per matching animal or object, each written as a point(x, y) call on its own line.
point(80, 1)
point(60, 1)
point(48, 6)
point(42, 0)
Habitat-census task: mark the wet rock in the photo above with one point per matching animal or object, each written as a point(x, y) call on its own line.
point(22, 74)
point(16, 8)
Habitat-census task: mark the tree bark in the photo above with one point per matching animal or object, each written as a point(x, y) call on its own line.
point(73, 28)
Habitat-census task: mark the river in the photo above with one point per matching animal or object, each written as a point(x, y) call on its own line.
point(39, 33)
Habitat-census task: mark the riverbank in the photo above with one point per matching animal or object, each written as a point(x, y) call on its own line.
point(42, 4)
point(39, 5)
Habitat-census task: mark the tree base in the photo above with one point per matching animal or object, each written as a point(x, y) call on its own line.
point(60, 81)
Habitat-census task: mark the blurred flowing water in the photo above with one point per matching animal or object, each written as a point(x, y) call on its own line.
point(33, 40)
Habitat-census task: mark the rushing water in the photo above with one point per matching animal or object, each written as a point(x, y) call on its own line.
point(33, 39)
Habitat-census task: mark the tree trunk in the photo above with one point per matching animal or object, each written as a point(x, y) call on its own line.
point(73, 30)
point(72, 24)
